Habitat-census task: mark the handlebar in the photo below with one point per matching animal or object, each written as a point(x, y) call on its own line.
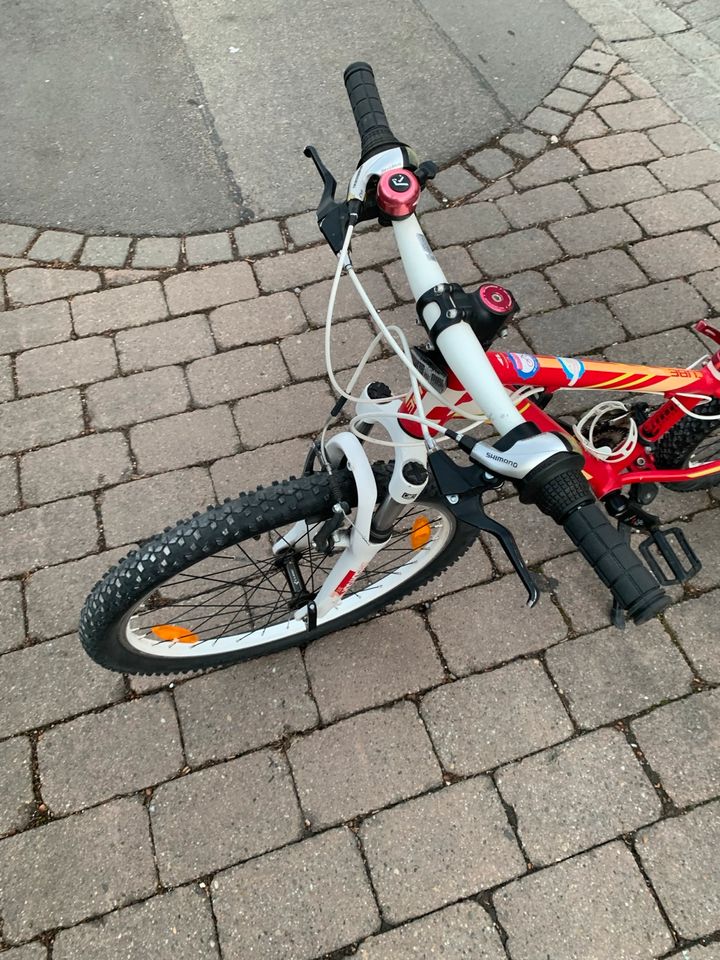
point(367, 108)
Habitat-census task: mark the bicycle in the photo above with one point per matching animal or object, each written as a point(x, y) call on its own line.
point(291, 562)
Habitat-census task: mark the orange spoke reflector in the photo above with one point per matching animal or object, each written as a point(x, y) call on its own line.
point(420, 533)
point(168, 631)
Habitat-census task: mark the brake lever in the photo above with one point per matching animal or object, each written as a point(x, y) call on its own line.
point(333, 216)
point(462, 488)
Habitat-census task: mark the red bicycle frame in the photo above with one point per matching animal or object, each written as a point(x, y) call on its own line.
point(552, 373)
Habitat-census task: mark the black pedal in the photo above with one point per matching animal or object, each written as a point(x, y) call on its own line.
point(670, 557)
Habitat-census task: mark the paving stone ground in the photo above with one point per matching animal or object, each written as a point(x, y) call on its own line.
point(458, 777)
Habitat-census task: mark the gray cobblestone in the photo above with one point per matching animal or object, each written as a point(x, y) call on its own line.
point(567, 101)
point(36, 284)
point(270, 417)
point(49, 681)
point(596, 61)
point(373, 246)
point(75, 466)
point(14, 239)
point(369, 664)
point(463, 929)
point(261, 237)
point(172, 341)
point(12, 621)
point(637, 114)
point(362, 764)
point(674, 211)
point(505, 631)
point(40, 420)
point(254, 321)
point(682, 858)
point(245, 471)
point(184, 440)
point(608, 675)
point(302, 902)
point(599, 275)
point(235, 374)
point(294, 269)
point(463, 224)
point(35, 326)
point(455, 181)
point(131, 306)
point(618, 150)
point(224, 814)
point(482, 721)
point(209, 287)
point(586, 126)
point(525, 143)
point(31, 951)
point(679, 345)
point(689, 170)
point(48, 534)
point(217, 723)
point(65, 365)
point(9, 490)
point(517, 251)
point(574, 330)
point(657, 307)
point(120, 278)
point(581, 594)
point(177, 925)
point(107, 853)
point(105, 251)
point(303, 228)
point(156, 252)
point(709, 286)
point(490, 163)
point(142, 508)
point(547, 121)
point(17, 803)
point(618, 186)
point(7, 387)
point(551, 202)
point(677, 255)
point(693, 624)
point(595, 905)
point(56, 245)
point(305, 354)
point(208, 248)
point(582, 80)
point(314, 299)
point(681, 743)
point(596, 231)
point(138, 397)
point(538, 537)
point(120, 750)
point(677, 138)
point(612, 92)
point(557, 164)
point(436, 849)
point(577, 795)
point(55, 594)
point(532, 292)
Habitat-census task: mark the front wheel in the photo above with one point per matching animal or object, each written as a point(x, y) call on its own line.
point(211, 590)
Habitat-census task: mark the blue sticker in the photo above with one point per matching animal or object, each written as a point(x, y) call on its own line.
point(574, 369)
point(526, 365)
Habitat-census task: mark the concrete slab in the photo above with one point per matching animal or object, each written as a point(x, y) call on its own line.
point(519, 51)
point(102, 127)
point(274, 84)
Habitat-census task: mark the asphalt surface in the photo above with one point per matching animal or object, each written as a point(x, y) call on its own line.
point(179, 116)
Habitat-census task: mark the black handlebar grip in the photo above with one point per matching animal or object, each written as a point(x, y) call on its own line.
point(367, 108)
point(617, 565)
point(567, 498)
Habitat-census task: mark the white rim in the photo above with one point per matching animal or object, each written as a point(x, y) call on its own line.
point(443, 528)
